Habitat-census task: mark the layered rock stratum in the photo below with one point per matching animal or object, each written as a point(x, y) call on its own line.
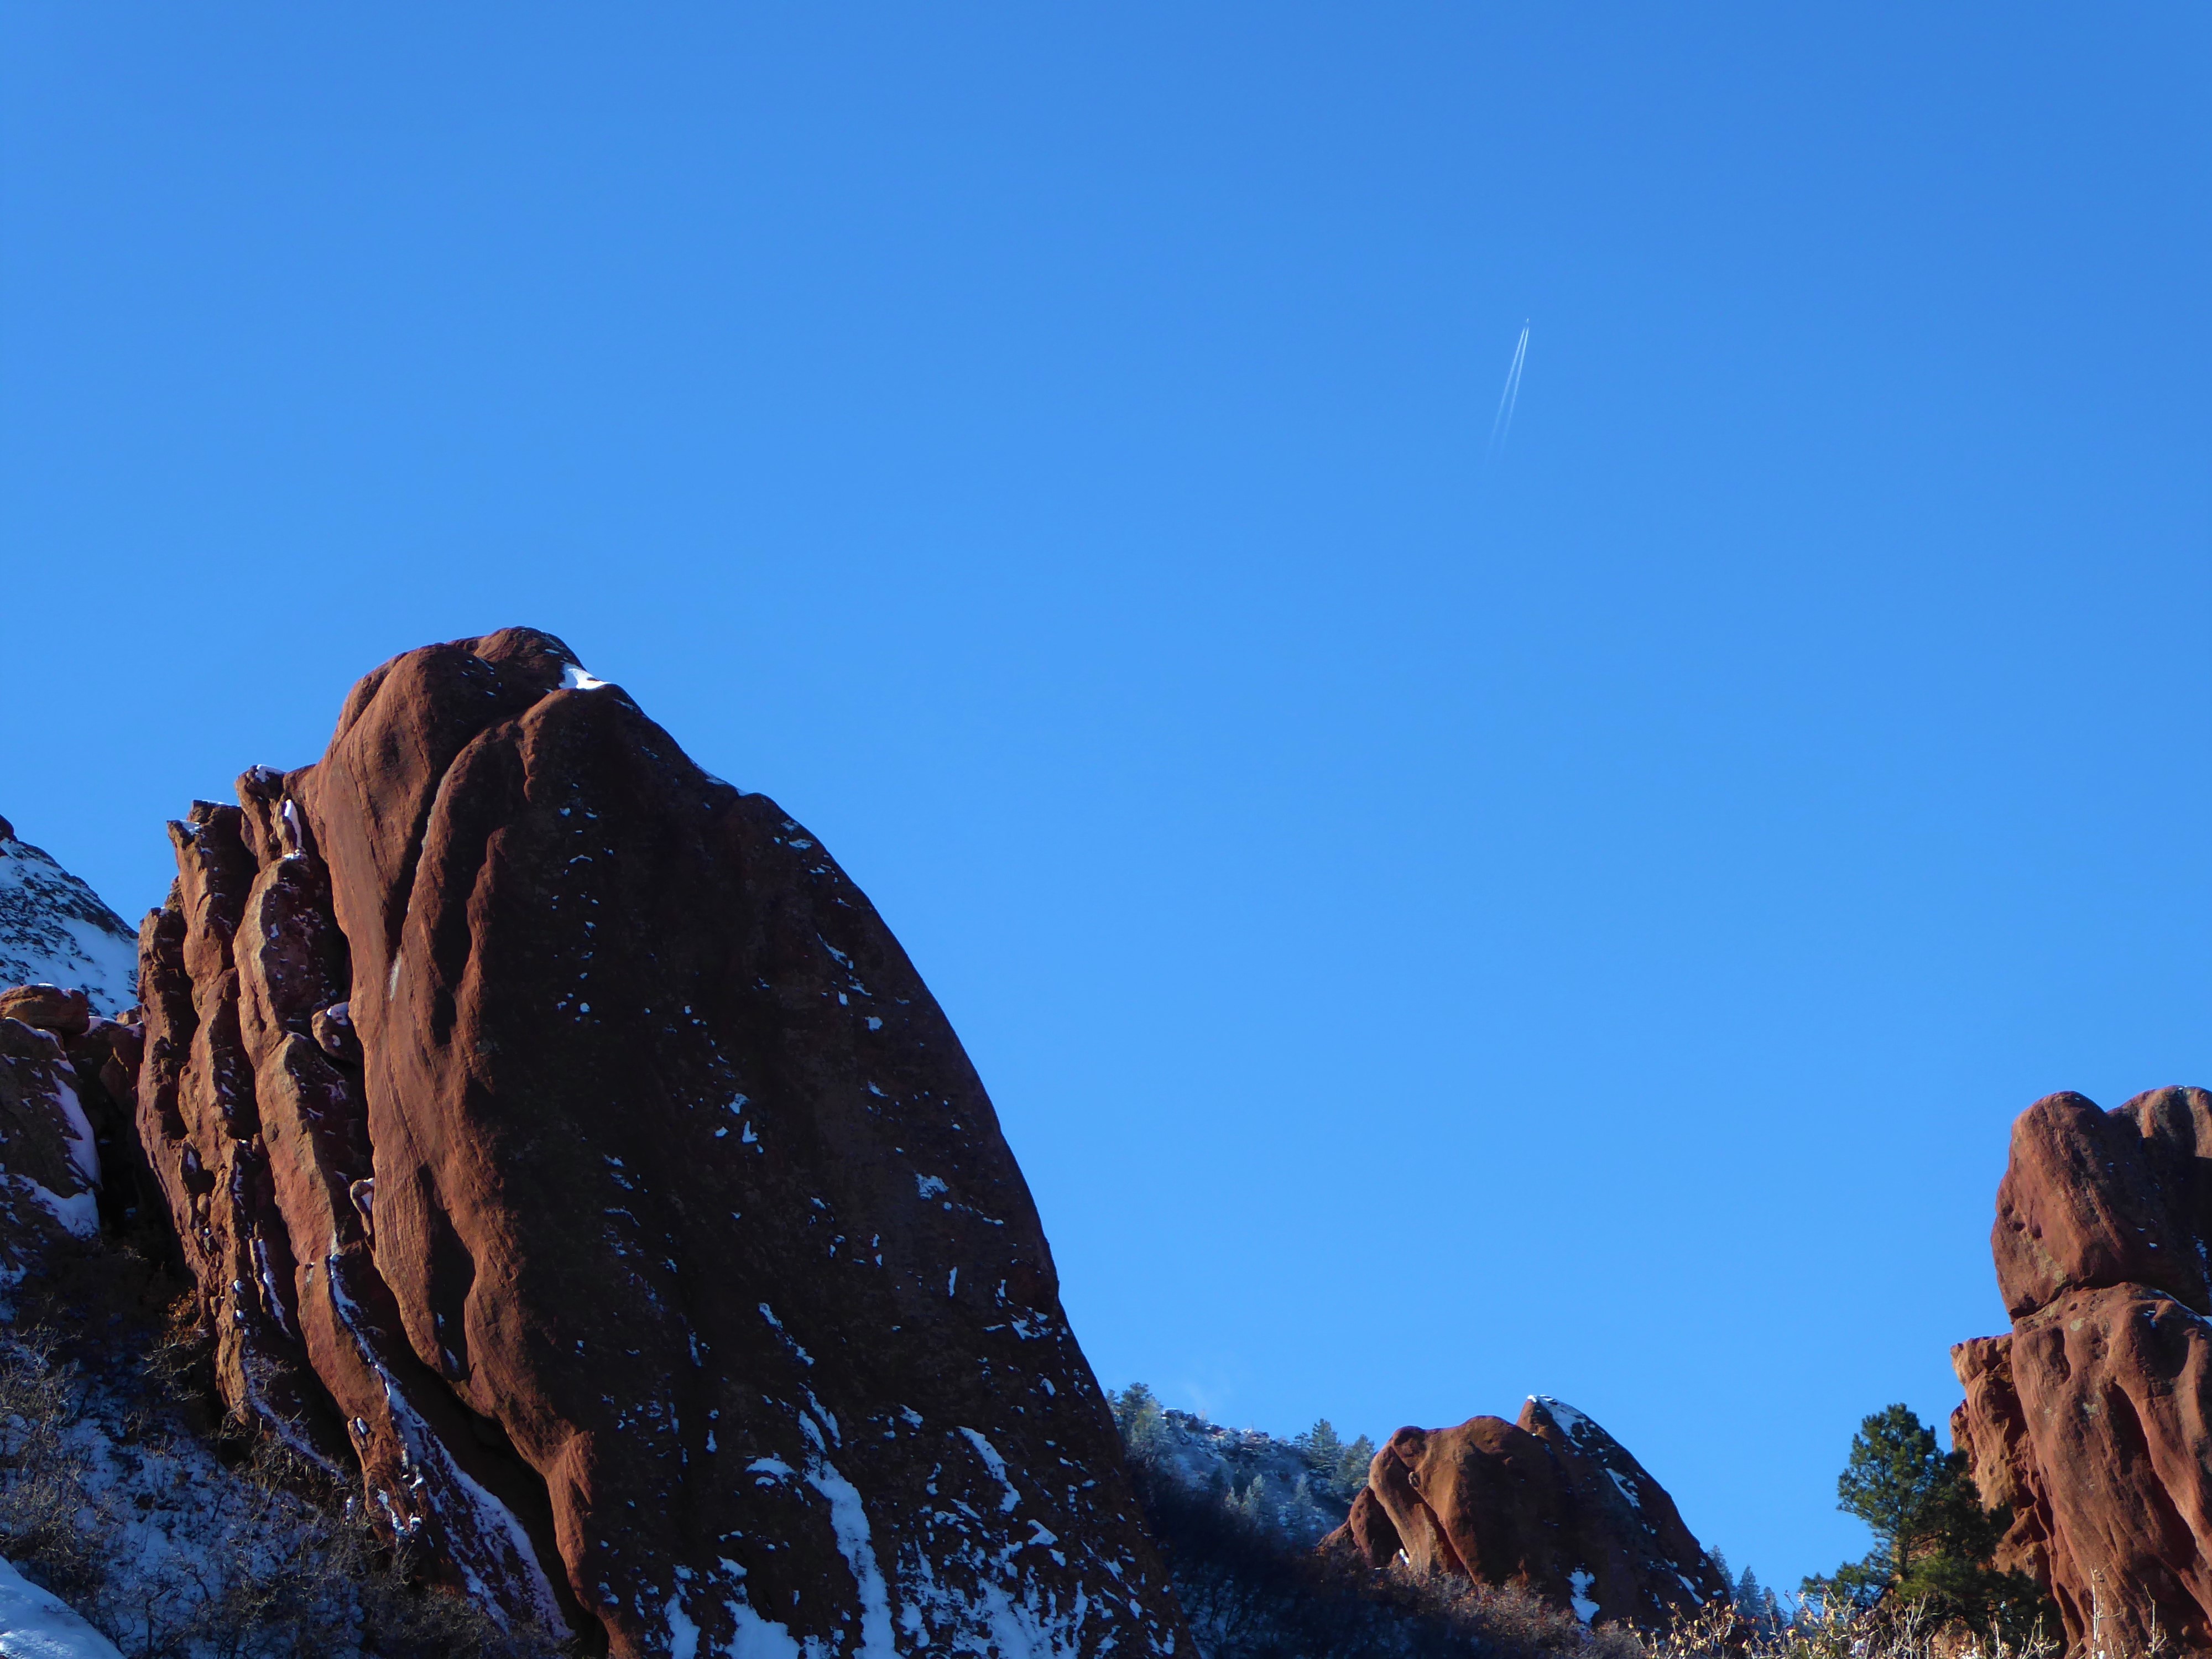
point(1550, 1502)
point(557, 1137)
point(2092, 1417)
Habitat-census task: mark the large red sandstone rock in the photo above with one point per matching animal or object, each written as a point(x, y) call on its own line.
point(554, 1130)
point(1553, 1503)
point(2094, 1419)
point(1990, 1426)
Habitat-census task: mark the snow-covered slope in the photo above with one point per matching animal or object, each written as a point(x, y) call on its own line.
point(1289, 1487)
point(36, 1624)
point(54, 930)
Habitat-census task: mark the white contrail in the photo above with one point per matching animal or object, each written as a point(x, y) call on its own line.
point(1510, 399)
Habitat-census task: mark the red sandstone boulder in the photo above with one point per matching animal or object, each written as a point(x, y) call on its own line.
point(2092, 1420)
point(2081, 1204)
point(1553, 1503)
point(554, 1132)
point(49, 1164)
point(49, 1007)
point(1368, 1534)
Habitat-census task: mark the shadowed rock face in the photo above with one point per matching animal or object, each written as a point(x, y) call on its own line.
point(555, 1131)
point(2093, 1419)
point(49, 1168)
point(1552, 1502)
point(69, 1164)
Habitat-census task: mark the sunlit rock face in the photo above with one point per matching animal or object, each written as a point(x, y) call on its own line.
point(557, 1134)
point(1552, 1502)
point(2093, 1417)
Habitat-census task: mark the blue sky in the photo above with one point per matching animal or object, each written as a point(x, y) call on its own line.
point(1434, 932)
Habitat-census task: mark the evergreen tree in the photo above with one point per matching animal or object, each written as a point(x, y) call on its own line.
point(1892, 1483)
point(1749, 1595)
point(1351, 1471)
point(1255, 1502)
point(1932, 1538)
point(1144, 1425)
point(1338, 1469)
point(1322, 1448)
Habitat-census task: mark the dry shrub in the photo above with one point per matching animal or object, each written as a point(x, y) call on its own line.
point(43, 1476)
point(179, 1536)
point(1838, 1629)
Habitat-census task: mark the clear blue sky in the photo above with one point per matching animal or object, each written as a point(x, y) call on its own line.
point(1433, 933)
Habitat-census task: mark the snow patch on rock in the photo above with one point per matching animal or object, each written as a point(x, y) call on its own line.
point(1578, 1583)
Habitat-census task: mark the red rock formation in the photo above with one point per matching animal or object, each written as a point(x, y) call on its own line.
point(1552, 1502)
point(2093, 1418)
point(1990, 1426)
point(554, 1130)
point(66, 1137)
point(1369, 1531)
point(48, 1191)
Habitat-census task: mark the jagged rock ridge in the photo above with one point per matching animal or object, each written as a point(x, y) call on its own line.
point(1552, 1502)
point(2091, 1419)
point(555, 1131)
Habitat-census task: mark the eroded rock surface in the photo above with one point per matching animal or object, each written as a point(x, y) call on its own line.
point(555, 1131)
point(1552, 1502)
point(2093, 1419)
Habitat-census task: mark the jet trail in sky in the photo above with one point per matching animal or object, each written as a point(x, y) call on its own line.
point(1509, 400)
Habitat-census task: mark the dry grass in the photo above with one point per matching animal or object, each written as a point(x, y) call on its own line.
point(183, 1537)
point(1839, 1630)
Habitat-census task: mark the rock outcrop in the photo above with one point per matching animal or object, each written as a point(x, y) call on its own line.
point(1552, 1502)
point(2093, 1417)
point(556, 1133)
point(50, 1188)
point(68, 1148)
point(55, 929)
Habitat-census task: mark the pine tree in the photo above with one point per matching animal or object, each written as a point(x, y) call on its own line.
point(1891, 1482)
point(1144, 1425)
point(1351, 1471)
point(1750, 1599)
point(1322, 1447)
point(1256, 1502)
point(1932, 1538)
